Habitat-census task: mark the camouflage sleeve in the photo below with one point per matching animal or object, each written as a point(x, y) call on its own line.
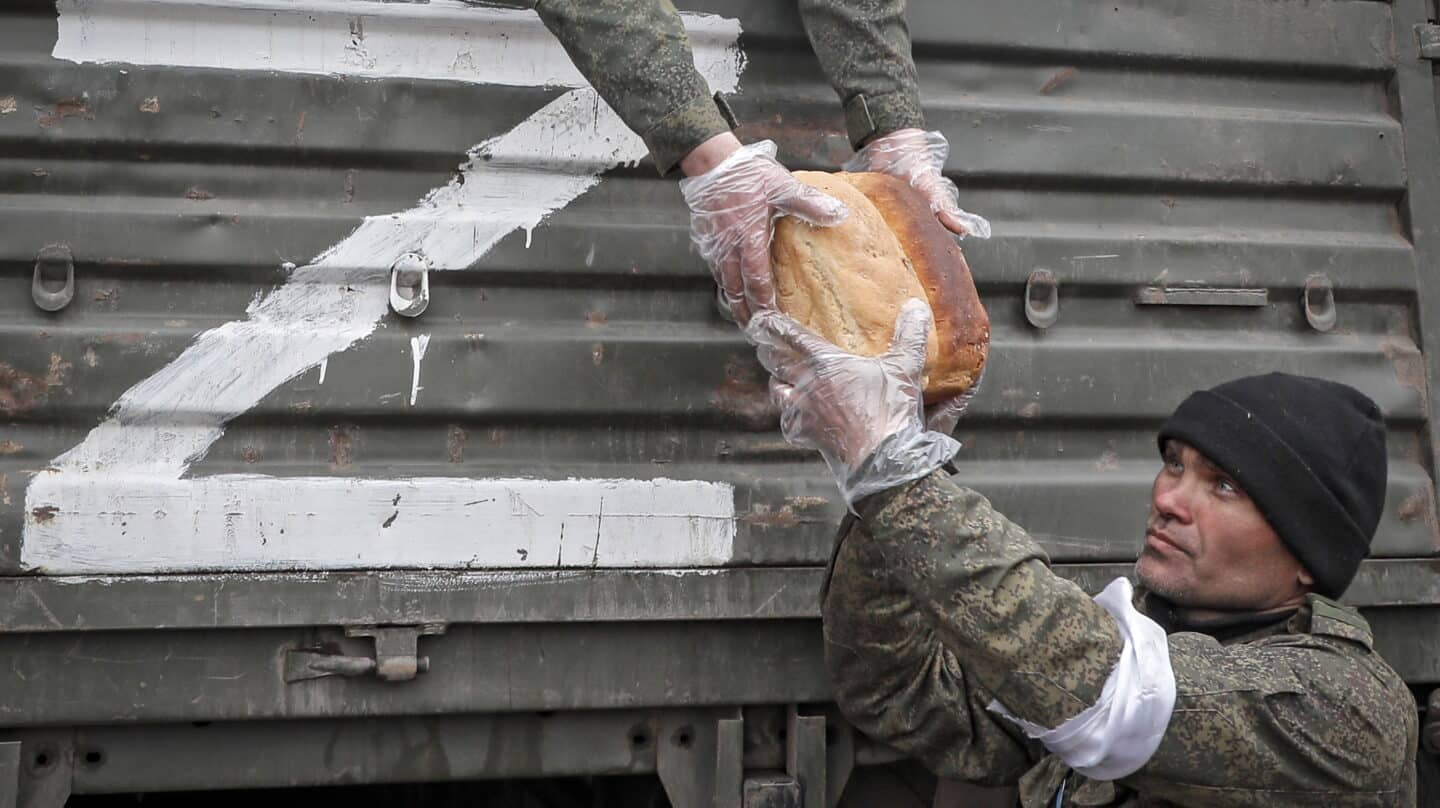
point(637, 56)
point(1300, 721)
point(897, 683)
point(864, 48)
point(1041, 645)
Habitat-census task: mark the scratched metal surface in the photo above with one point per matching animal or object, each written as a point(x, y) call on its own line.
point(1122, 146)
point(1244, 151)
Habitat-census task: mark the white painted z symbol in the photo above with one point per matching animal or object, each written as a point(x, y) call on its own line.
point(131, 469)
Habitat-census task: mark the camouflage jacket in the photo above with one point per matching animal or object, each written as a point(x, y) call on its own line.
point(936, 604)
point(637, 56)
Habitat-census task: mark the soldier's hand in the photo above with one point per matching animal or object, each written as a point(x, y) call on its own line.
point(918, 157)
point(862, 413)
point(733, 207)
point(943, 416)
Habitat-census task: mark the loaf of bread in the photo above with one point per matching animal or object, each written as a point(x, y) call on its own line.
point(847, 283)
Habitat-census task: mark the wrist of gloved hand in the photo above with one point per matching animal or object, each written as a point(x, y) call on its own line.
point(733, 207)
point(863, 413)
point(918, 157)
point(907, 455)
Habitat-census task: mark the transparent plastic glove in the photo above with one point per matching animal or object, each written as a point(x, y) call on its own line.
point(943, 416)
point(918, 157)
point(862, 413)
point(733, 208)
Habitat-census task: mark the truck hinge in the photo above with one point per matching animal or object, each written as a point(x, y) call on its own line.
point(395, 660)
point(709, 763)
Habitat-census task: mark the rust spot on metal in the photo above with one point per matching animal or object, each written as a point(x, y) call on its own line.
point(44, 513)
point(745, 395)
point(806, 503)
point(59, 369)
point(10, 447)
point(1408, 363)
point(1420, 506)
point(1060, 77)
point(150, 105)
point(455, 443)
point(7, 104)
point(761, 514)
point(250, 454)
point(792, 512)
point(198, 194)
point(5, 489)
point(596, 318)
point(342, 445)
point(66, 108)
point(22, 392)
point(300, 127)
point(349, 186)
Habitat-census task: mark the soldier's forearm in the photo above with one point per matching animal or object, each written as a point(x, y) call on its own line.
point(864, 48)
point(1035, 640)
point(896, 682)
point(638, 57)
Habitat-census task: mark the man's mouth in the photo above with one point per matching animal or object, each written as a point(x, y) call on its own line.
point(1159, 540)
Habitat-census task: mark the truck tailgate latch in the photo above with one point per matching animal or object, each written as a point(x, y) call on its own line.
point(395, 660)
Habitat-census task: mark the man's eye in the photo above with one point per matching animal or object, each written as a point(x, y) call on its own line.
point(1227, 486)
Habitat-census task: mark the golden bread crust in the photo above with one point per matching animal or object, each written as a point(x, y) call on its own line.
point(847, 283)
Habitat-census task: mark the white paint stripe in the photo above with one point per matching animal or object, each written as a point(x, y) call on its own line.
point(442, 39)
point(169, 420)
point(324, 364)
point(106, 524)
point(417, 352)
point(164, 423)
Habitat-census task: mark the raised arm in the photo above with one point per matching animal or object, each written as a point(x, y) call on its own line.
point(638, 57)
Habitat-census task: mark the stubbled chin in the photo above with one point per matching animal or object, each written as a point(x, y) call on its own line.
point(1154, 574)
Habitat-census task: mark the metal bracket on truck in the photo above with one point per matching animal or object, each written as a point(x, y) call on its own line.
point(396, 657)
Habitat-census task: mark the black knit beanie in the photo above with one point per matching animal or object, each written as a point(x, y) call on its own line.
point(1310, 453)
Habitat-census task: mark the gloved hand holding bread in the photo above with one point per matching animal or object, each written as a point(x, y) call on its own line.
point(852, 350)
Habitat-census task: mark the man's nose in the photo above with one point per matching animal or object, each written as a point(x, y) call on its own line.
point(1172, 498)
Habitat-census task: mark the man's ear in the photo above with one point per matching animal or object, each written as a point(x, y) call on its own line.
point(1306, 579)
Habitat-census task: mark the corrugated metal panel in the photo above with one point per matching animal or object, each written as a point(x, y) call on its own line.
point(1126, 147)
point(1222, 144)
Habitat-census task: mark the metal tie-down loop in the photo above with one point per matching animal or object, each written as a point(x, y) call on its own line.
point(410, 285)
point(1042, 298)
point(53, 286)
point(1319, 300)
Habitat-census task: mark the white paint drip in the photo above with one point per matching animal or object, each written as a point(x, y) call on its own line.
point(417, 352)
point(166, 422)
point(324, 364)
point(120, 524)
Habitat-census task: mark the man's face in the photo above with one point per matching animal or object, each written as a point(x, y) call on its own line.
point(1207, 546)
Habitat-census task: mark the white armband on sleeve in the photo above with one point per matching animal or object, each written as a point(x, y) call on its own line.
point(1116, 735)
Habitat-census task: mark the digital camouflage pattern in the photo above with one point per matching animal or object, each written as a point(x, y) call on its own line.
point(637, 56)
point(936, 603)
